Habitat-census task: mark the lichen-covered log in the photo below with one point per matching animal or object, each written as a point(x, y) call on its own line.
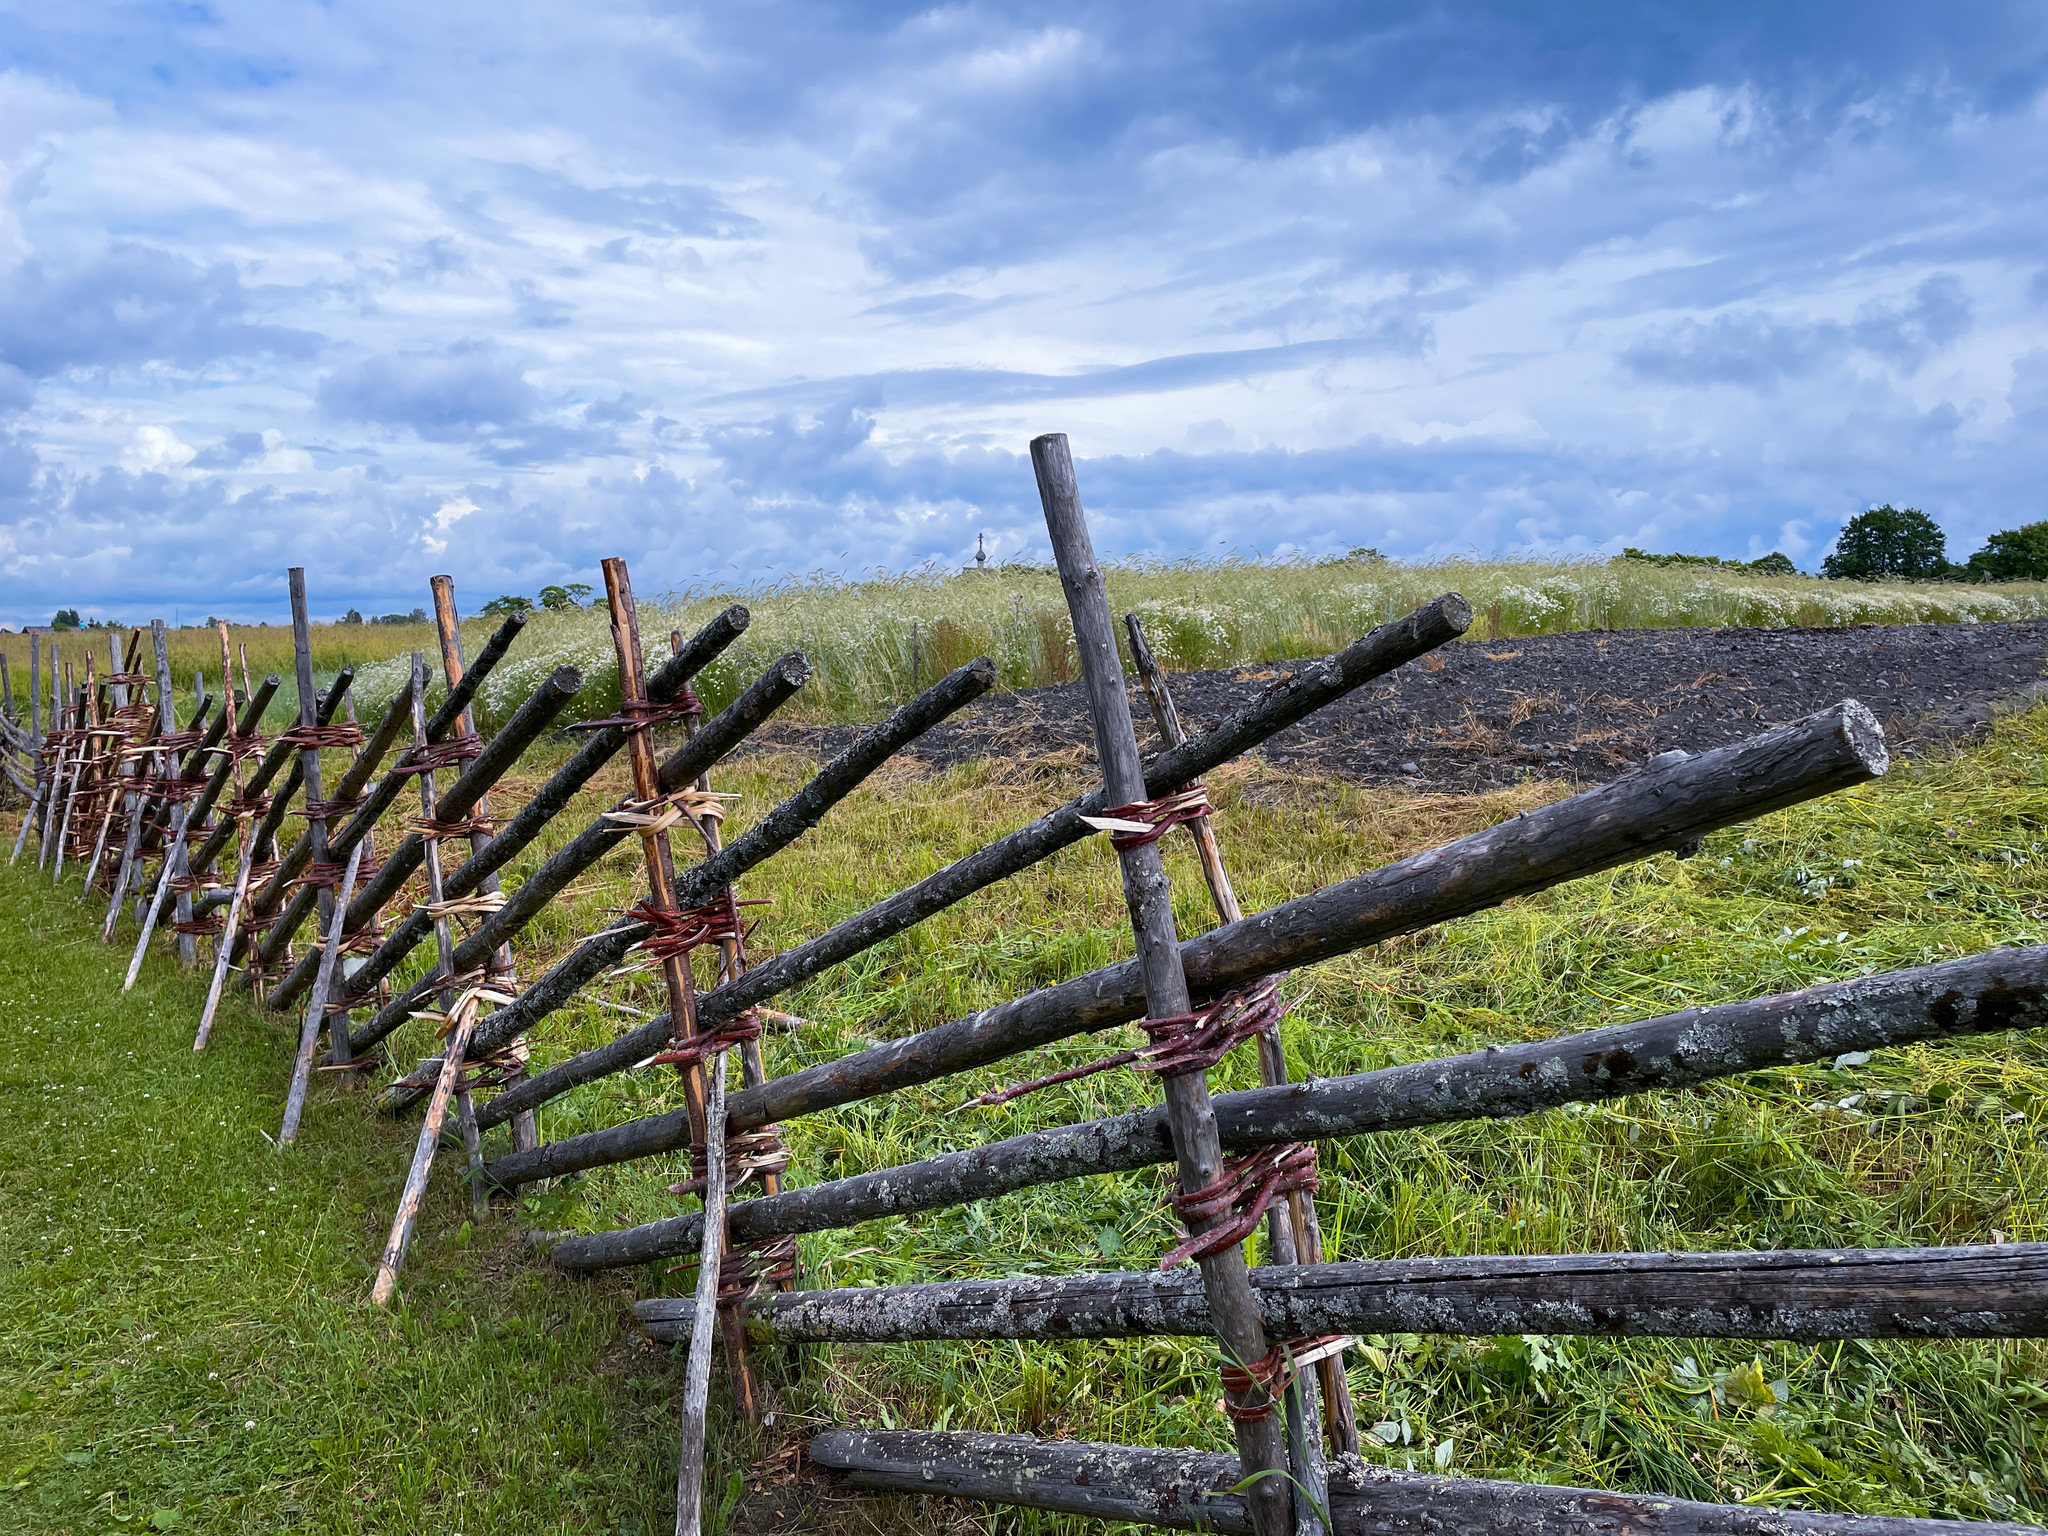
point(720, 735)
point(2002, 989)
point(1295, 697)
point(773, 832)
point(553, 797)
point(1988, 1292)
point(1670, 803)
point(533, 717)
point(1185, 1490)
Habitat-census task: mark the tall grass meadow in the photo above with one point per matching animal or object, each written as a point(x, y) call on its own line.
point(872, 642)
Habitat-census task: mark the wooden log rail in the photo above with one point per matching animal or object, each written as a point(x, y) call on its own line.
point(1670, 803)
point(1277, 707)
point(780, 827)
point(1186, 1490)
point(720, 735)
point(1987, 1292)
point(272, 946)
point(2002, 989)
point(527, 824)
point(438, 727)
point(528, 723)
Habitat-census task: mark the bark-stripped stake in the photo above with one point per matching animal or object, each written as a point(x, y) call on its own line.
point(773, 832)
point(1297, 1237)
point(682, 1007)
point(457, 1017)
point(502, 972)
point(1260, 1447)
point(317, 1012)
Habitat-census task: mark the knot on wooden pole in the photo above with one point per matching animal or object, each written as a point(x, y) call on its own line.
point(665, 811)
point(330, 810)
point(1180, 1043)
point(677, 933)
point(1272, 1374)
point(1146, 821)
point(338, 735)
point(720, 1038)
point(644, 714)
point(439, 754)
point(745, 1269)
point(1239, 1198)
point(749, 1155)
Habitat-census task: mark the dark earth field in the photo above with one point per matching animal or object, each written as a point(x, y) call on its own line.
point(1583, 706)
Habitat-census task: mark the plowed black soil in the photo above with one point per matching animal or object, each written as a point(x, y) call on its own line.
point(1583, 706)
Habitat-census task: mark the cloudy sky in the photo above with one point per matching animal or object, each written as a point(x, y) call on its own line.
point(745, 290)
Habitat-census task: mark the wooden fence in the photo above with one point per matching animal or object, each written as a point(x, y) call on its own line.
point(115, 786)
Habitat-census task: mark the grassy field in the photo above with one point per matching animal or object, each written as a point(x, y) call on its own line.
point(186, 1343)
point(869, 640)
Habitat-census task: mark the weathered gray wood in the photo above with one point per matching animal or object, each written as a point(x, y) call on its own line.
point(316, 1011)
point(1274, 709)
point(517, 834)
point(449, 628)
point(536, 713)
point(1184, 1490)
point(362, 767)
point(1994, 1291)
point(763, 697)
point(1148, 896)
point(1668, 804)
point(1999, 990)
point(173, 865)
point(773, 832)
point(461, 1024)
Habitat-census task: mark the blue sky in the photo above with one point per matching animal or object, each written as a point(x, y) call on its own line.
point(740, 291)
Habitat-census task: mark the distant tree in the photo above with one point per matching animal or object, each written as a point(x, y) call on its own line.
point(1773, 564)
point(66, 618)
point(1889, 541)
point(565, 599)
point(2012, 554)
point(504, 607)
point(352, 617)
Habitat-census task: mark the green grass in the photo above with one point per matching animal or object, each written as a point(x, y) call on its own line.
point(519, 1391)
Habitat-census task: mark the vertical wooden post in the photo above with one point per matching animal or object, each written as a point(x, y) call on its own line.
point(309, 768)
point(447, 623)
point(84, 719)
point(245, 855)
point(682, 1012)
point(461, 1023)
point(316, 1010)
point(1296, 1235)
point(1198, 1151)
point(59, 717)
point(35, 717)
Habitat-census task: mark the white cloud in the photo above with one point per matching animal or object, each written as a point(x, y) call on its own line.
point(156, 451)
